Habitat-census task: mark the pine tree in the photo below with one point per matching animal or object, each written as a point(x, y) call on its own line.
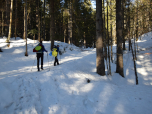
point(25, 25)
point(15, 19)
point(52, 23)
point(70, 22)
point(119, 68)
point(2, 20)
point(99, 43)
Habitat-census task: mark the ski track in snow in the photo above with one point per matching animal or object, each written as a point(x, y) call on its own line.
point(63, 89)
point(28, 96)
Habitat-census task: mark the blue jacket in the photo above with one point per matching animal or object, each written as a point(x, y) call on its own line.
point(57, 49)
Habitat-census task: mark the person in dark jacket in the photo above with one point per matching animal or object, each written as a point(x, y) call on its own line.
point(56, 59)
point(40, 55)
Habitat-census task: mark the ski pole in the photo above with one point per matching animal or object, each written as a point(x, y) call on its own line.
point(52, 60)
point(33, 65)
point(60, 59)
point(48, 61)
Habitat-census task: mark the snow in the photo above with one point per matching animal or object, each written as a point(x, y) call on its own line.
point(64, 89)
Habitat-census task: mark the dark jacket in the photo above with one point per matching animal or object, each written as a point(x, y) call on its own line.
point(43, 48)
point(57, 49)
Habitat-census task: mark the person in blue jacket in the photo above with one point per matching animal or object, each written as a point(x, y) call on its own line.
point(40, 55)
point(56, 59)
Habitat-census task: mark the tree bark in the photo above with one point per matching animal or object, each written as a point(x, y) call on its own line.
point(39, 22)
point(38, 18)
point(129, 39)
point(104, 33)
point(44, 23)
point(109, 70)
point(15, 19)
point(111, 34)
point(123, 32)
point(99, 43)
point(2, 21)
point(7, 18)
point(70, 24)
point(134, 65)
point(25, 25)
point(119, 68)
point(150, 15)
point(52, 23)
point(10, 25)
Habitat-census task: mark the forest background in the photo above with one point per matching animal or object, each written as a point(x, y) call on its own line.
point(81, 15)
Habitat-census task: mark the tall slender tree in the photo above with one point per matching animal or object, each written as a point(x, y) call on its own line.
point(7, 18)
point(128, 25)
point(104, 32)
point(111, 29)
point(119, 68)
point(38, 18)
point(52, 23)
point(123, 31)
point(2, 20)
point(99, 39)
point(44, 22)
point(15, 19)
point(25, 25)
point(109, 70)
point(10, 25)
point(70, 23)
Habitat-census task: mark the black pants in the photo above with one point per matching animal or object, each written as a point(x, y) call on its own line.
point(39, 55)
point(56, 61)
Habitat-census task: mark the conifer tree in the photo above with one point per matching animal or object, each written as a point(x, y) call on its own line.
point(119, 68)
point(25, 25)
point(15, 19)
point(52, 23)
point(99, 43)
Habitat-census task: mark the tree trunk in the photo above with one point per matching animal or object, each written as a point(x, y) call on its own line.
point(84, 42)
point(64, 35)
point(52, 23)
point(129, 39)
point(41, 25)
point(7, 18)
point(134, 38)
point(2, 22)
point(99, 43)
point(39, 22)
point(150, 15)
point(109, 70)
point(123, 32)
point(38, 18)
point(119, 68)
point(134, 65)
point(104, 34)
point(10, 25)
point(70, 23)
point(111, 33)
point(44, 23)
point(15, 19)
point(25, 25)
point(137, 35)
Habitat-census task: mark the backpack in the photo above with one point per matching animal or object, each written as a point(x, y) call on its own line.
point(38, 48)
point(54, 52)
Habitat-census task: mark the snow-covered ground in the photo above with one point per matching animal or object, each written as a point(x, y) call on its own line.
point(64, 89)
